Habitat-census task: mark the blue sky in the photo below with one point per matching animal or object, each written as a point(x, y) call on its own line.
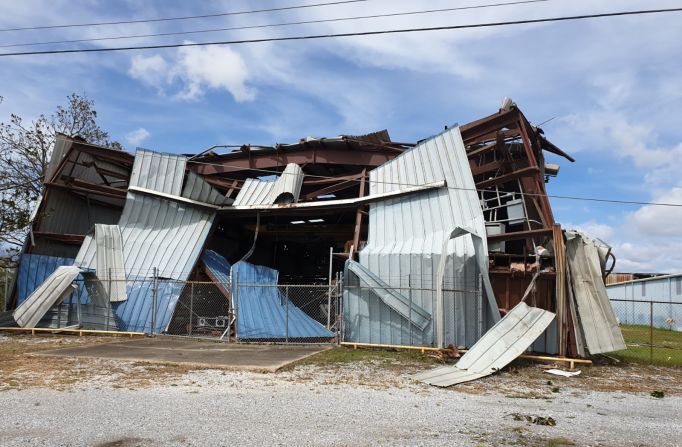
point(612, 86)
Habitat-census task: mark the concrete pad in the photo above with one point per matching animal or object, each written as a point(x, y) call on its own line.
point(267, 358)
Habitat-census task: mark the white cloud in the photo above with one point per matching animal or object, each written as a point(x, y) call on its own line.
point(136, 137)
point(655, 220)
point(192, 71)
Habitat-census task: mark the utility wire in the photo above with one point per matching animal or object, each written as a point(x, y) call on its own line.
point(172, 19)
point(363, 33)
point(273, 25)
point(381, 182)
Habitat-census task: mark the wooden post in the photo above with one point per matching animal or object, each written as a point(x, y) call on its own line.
point(358, 213)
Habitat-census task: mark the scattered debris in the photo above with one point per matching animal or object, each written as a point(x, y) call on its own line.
point(658, 394)
point(537, 420)
point(561, 372)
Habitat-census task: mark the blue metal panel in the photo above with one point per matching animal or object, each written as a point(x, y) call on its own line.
point(262, 308)
point(34, 270)
point(135, 313)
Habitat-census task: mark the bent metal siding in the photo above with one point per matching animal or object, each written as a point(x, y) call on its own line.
point(406, 239)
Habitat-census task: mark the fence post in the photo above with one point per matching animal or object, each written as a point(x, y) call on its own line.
point(409, 294)
point(109, 298)
point(4, 301)
point(286, 315)
point(329, 295)
point(236, 307)
point(154, 291)
point(651, 332)
point(191, 307)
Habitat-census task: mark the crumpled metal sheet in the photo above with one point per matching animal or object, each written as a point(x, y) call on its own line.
point(110, 266)
point(597, 320)
point(286, 189)
point(504, 342)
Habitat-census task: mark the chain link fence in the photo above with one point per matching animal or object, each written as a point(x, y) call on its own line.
point(652, 331)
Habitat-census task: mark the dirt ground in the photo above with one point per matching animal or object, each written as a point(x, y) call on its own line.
point(371, 391)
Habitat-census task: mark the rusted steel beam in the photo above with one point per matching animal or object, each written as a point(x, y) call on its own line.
point(489, 124)
point(103, 153)
point(519, 235)
point(119, 194)
point(524, 172)
point(340, 186)
point(272, 160)
point(560, 268)
point(511, 133)
point(482, 169)
point(311, 181)
point(66, 238)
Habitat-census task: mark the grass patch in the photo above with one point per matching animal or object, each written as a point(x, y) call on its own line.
point(667, 346)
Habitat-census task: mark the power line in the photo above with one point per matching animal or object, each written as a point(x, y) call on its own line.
point(172, 19)
point(379, 182)
point(362, 33)
point(273, 25)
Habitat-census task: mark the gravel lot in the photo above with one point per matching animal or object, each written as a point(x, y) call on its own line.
point(336, 398)
point(207, 408)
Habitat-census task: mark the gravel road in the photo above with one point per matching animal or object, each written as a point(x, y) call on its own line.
point(218, 408)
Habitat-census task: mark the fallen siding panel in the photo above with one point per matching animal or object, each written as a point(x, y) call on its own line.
point(504, 342)
point(262, 307)
point(34, 270)
point(595, 313)
point(55, 288)
point(110, 266)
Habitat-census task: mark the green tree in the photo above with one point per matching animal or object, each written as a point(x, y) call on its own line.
point(25, 149)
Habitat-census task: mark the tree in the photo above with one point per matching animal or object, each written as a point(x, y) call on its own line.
point(25, 150)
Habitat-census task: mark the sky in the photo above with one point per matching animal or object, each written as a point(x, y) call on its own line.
point(610, 88)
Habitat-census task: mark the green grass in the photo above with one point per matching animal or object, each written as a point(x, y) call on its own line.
point(667, 345)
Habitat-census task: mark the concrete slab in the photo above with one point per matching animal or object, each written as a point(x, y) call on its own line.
point(267, 358)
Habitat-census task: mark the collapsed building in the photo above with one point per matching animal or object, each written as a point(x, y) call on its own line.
point(436, 241)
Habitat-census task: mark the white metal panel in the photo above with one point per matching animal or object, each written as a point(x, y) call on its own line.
point(160, 172)
point(55, 288)
point(504, 342)
point(196, 188)
point(405, 244)
point(110, 267)
point(260, 192)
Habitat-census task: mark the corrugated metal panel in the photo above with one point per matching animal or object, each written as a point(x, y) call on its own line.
point(67, 213)
point(160, 172)
point(406, 238)
point(595, 314)
point(631, 306)
point(62, 144)
point(156, 233)
point(263, 309)
point(505, 341)
point(110, 267)
point(56, 287)
point(35, 269)
point(198, 189)
point(285, 189)
point(84, 166)
point(392, 298)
